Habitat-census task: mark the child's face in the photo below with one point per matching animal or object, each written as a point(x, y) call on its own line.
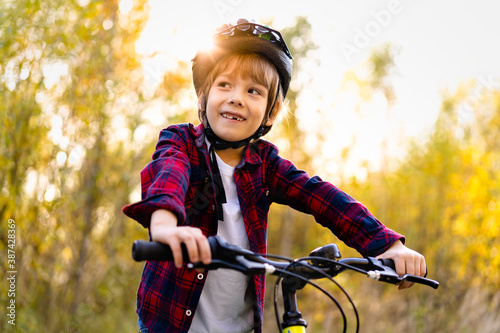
point(236, 106)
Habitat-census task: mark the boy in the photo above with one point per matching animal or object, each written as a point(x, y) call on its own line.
point(220, 178)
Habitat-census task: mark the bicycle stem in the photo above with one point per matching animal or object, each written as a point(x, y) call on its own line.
point(292, 316)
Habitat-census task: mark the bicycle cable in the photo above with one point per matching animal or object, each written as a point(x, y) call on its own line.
point(308, 281)
point(335, 282)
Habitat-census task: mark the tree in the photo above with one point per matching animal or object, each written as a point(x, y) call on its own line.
point(69, 72)
point(284, 221)
point(444, 198)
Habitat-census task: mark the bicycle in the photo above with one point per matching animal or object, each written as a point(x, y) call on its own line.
point(294, 274)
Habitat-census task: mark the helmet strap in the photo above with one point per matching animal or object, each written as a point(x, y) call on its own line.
point(274, 102)
point(221, 144)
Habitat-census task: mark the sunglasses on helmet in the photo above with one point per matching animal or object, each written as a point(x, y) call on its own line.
point(254, 29)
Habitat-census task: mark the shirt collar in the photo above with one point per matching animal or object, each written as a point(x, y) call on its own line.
point(250, 154)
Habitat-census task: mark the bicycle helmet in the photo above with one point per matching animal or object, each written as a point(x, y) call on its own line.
point(244, 36)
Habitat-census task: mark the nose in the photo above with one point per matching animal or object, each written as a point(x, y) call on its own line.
point(236, 98)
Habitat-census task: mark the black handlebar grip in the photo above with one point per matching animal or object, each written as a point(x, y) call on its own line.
point(388, 262)
point(154, 251)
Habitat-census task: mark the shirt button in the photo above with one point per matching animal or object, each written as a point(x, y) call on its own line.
point(189, 313)
point(200, 276)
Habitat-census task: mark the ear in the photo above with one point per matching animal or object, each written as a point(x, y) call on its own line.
point(272, 118)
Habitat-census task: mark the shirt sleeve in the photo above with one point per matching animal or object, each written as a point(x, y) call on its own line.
point(334, 209)
point(164, 181)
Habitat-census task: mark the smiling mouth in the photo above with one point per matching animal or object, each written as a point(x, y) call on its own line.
point(228, 116)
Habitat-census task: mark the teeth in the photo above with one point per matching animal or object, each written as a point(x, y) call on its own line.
point(230, 117)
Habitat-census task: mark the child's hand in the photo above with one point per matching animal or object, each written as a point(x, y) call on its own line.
point(406, 261)
point(164, 229)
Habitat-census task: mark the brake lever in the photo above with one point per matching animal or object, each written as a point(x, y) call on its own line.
point(216, 264)
point(420, 280)
point(390, 278)
point(387, 274)
point(240, 264)
point(222, 249)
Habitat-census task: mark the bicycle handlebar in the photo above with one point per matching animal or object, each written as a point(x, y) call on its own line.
point(234, 257)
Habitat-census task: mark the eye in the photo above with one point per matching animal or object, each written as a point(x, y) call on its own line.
point(223, 84)
point(254, 91)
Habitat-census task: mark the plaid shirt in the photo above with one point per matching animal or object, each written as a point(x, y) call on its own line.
point(178, 179)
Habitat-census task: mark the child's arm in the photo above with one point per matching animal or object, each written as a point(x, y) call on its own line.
point(347, 218)
point(406, 261)
point(164, 229)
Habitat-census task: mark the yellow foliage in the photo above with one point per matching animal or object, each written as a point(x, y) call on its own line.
point(460, 227)
point(67, 254)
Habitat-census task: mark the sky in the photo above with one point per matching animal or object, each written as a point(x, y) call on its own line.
point(441, 44)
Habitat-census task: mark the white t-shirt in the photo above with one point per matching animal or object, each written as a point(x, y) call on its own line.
point(225, 303)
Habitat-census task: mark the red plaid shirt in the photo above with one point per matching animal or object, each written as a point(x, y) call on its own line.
point(178, 179)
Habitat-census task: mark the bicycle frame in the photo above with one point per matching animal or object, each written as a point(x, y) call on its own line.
point(295, 329)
